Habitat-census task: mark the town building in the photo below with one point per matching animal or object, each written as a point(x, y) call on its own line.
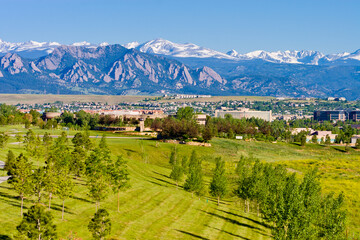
point(354, 115)
point(201, 119)
point(321, 135)
point(245, 113)
point(332, 115)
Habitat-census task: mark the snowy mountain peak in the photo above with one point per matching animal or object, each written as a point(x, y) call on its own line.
point(79, 44)
point(233, 53)
point(131, 45)
point(189, 50)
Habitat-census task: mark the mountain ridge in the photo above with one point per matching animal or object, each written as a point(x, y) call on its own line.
point(33, 49)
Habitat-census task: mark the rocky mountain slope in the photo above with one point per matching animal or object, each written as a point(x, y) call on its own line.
point(160, 66)
point(109, 69)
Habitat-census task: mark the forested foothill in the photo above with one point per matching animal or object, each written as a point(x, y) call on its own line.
point(267, 186)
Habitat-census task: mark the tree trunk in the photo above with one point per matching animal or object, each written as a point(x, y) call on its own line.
point(245, 205)
point(118, 201)
point(39, 228)
point(62, 214)
point(50, 195)
point(22, 204)
point(248, 206)
point(258, 210)
point(218, 198)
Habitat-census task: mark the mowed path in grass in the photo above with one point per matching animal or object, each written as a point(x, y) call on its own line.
point(153, 208)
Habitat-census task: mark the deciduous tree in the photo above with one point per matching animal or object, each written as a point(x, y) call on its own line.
point(219, 183)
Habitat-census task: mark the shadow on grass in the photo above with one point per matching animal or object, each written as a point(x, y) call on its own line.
point(58, 207)
point(164, 181)
point(192, 234)
point(233, 221)
point(81, 199)
point(5, 237)
point(9, 199)
point(247, 218)
point(214, 200)
point(340, 149)
point(232, 234)
point(129, 150)
point(161, 174)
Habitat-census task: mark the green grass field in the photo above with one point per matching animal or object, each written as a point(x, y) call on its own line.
point(153, 208)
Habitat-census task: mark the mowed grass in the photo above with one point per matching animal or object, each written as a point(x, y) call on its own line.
point(153, 208)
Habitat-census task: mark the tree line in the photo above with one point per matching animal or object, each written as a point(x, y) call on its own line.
point(293, 207)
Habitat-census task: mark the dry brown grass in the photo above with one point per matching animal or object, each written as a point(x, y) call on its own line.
point(110, 99)
point(37, 98)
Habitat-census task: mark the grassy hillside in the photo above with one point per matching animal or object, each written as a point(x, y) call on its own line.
point(152, 209)
point(155, 209)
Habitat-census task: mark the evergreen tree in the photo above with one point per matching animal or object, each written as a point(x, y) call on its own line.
point(119, 177)
point(10, 162)
point(100, 225)
point(4, 138)
point(77, 161)
point(21, 178)
point(219, 183)
point(38, 183)
point(52, 180)
point(37, 224)
point(98, 177)
point(47, 142)
point(65, 188)
point(82, 140)
point(30, 141)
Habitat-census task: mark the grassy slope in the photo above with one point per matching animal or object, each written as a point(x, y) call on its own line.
point(155, 209)
point(152, 209)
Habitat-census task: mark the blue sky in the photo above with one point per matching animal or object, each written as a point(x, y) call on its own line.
point(329, 26)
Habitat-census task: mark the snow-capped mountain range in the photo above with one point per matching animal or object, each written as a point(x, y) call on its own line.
point(160, 66)
point(32, 49)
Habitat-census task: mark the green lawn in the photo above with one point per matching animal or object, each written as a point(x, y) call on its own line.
point(155, 209)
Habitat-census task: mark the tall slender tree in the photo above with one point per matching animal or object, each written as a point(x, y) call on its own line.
point(65, 188)
point(219, 183)
point(119, 178)
point(194, 181)
point(177, 172)
point(21, 178)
